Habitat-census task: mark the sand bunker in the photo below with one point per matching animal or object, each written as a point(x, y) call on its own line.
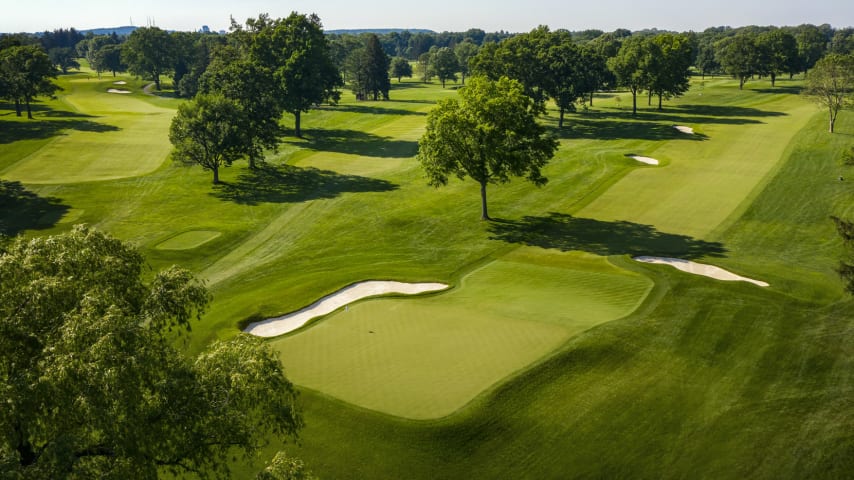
point(688, 130)
point(287, 323)
point(115, 90)
point(700, 269)
point(120, 82)
point(647, 160)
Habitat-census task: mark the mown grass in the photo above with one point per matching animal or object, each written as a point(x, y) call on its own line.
point(427, 357)
point(706, 379)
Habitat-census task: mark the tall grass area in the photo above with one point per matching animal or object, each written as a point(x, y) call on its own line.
point(554, 355)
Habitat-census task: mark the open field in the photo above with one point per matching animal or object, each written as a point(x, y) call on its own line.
point(555, 355)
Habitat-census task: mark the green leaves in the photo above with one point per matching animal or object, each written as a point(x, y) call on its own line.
point(91, 385)
point(490, 134)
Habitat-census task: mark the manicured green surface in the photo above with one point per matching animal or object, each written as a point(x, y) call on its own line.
point(706, 379)
point(188, 240)
point(424, 358)
point(112, 136)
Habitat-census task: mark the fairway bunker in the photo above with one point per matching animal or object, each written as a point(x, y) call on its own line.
point(120, 82)
point(273, 327)
point(116, 90)
point(646, 160)
point(688, 130)
point(703, 269)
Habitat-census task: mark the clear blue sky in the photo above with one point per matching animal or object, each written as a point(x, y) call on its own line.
point(439, 15)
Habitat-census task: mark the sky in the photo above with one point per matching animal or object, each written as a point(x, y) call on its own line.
point(438, 15)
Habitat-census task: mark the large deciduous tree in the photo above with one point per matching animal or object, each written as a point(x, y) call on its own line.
point(738, 56)
point(489, 134)
point(400, 67)
point(464, 51)
point(92, 386)
point(27, 73)
point(209, 131)
point(297, 52)
point(368, 70)
point(63, 58)
point(445, 65)
point(628, 67)
point(248, 84)
point(148, 53)
point(780, 53)
point(830, 83)
point(668, 65)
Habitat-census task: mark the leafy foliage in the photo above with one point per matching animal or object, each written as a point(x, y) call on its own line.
point(490, 134)
point(26, 73)
point(400, 67)
point(91, 384)
point(830, 83)
point(148, 52)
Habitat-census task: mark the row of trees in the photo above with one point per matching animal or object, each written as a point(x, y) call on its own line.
point(26, 72)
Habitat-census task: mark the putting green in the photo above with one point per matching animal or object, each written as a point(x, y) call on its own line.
point(188, 240)
point(114, 136)
point(426, 358)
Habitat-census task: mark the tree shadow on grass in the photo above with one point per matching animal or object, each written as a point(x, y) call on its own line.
point(722, 111)
point(289, 184)
point(577, 128)
point(21, 209)
point(356, 142)
point(565, 232)
point(40, 129)
point(375, 110)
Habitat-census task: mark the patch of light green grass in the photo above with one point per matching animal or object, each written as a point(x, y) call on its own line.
point(188, 240)
point(426, 357)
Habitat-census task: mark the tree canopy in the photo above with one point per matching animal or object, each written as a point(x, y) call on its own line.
point(209, 131)
point(830, 83)
point(489, 134)
point(92, 385)
point(148, 53)
point(26, 72)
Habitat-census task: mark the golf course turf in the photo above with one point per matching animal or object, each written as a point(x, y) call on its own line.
point(554, 354)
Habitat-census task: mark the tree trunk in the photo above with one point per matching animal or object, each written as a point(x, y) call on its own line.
point(443, 83)
point(560, 122)
point(29, 111)
point(634, 102)
point(297, 130)
point(741, 83)
point(591, 99)
point(832, 119)
point(484, 215)
point(649, 99)
point(659, 102)
point(18, 107)
point(216, 175)
point(463, 75)
point(773, 79)
point(157, 81)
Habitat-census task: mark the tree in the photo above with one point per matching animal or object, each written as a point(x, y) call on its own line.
point(738, 56)
point(705, 61)
point(27, 72)
point(90, 49)
point(490, 134)
point(297, 52)
point(668, 63)
point(564, 80)
point(445, 65)
point(92, 384)
point(464, 51)
point(811, 45)
point(830, 83)
point(248, 84)
point(63, 58)
point(628, 67)
point(780, 53)
point(148, 53)
point(209, 131)
point(109, 58)
point(376, 69)
point(424, 68)
point(400, 67)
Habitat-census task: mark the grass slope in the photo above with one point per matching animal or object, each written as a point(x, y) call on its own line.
point(425, 358)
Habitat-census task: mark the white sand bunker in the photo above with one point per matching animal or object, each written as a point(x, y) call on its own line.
point(646, 160)
point(328, 304)
point(116, 90)
point(688, 130)
point(701, 269)
point(120, 82)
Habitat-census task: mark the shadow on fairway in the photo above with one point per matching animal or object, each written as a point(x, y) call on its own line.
point(356, 142)
point(39, 129)
point(289, 184)
point(792, 90)
point(374, 110)
point(21, 209)
point(722, 111)
point(565, 232)
point(614, 129)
